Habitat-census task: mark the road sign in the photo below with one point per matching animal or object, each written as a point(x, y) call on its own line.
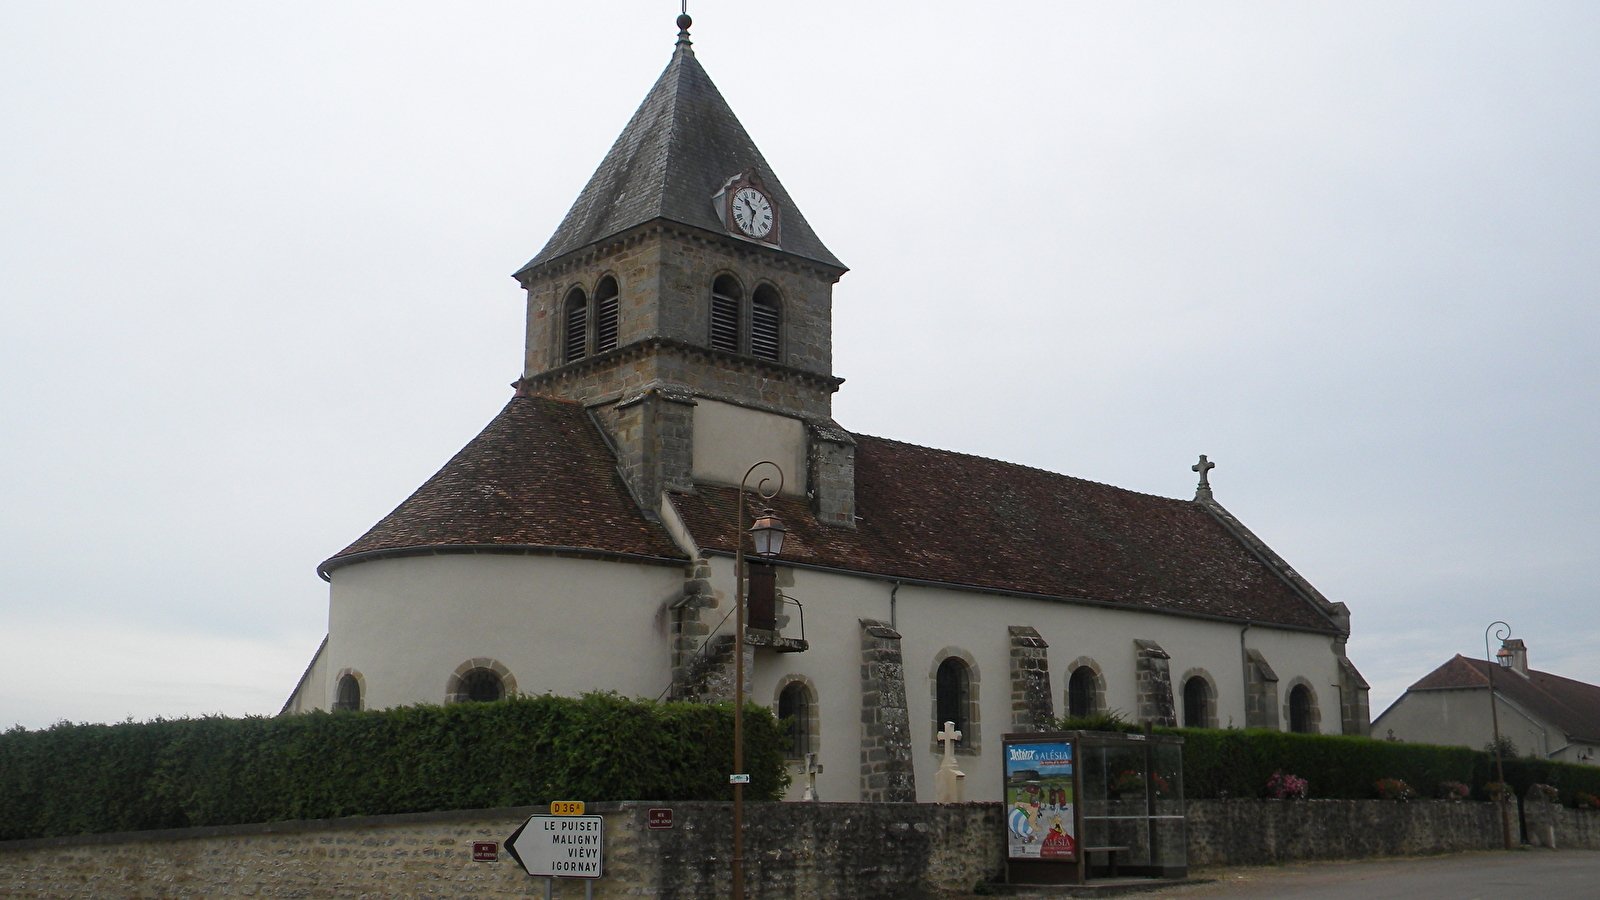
point(566, 808)
point(560, 846)
point(738, 779)
point(659, 819)
point(485, 851)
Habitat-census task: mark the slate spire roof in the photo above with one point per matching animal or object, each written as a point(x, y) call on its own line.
point(677, 151)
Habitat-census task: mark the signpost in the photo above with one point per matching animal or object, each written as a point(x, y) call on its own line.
point(566, 844)
point(660, 819)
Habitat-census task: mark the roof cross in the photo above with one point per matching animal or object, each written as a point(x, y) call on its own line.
point(1203, 491)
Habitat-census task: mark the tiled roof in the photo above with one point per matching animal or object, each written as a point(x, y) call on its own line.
point(1572, 706)
point(540, 475)
point(681, 146)
point(934, 515)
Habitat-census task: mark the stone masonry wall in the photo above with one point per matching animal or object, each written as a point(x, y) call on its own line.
point(1260, 692)
point(1267, 832)
point(886, 772)
point(1032, 707)
point(1153, 679)
point(886, 851)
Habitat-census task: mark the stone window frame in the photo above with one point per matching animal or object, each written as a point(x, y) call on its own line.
point(1210, 718)
point(591, 318)
point(813, 723)
point(453, 692)
point(361, 683)
point(744, 322)
point(1097, 695)
point(1313, 711)
point(971, 743)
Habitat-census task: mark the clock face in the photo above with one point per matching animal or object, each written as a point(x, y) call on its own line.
point(752, 212)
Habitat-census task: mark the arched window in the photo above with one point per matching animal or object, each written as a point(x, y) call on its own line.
point(481, 686)
point(605, 315)
point(765, 318)
point(794, 708)
point(348, 693)
point(953, 696)
point(575, 339)
point(1081, 693)
point(1301, 704)
point(1196, 703)
point(726, 299)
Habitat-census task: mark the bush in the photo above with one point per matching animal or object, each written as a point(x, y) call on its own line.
point(1287, 787)
point(1393, 789)
point(1453, 790)
point(77, 779)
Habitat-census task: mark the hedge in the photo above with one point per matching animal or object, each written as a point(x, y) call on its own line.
point(1237, 763)
point(79, 779)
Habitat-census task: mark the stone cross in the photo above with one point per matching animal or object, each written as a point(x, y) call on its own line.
point(813, 769)
point(1203, 466)
point(949, 780)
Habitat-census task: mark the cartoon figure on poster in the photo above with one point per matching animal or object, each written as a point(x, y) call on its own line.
point(1039, 820)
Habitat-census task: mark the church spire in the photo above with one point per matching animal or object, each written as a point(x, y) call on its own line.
point(681, 147)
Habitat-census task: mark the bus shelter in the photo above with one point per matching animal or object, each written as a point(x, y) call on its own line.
point(1084, 805)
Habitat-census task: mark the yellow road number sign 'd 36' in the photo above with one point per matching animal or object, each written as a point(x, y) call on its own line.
point(566, 808)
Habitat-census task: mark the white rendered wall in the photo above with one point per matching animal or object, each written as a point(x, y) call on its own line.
point(1462, 718)
point(561, 625)
point(728, 438)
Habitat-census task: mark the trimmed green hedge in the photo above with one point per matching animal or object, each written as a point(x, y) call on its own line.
point(78, 779)
point(1235, 763)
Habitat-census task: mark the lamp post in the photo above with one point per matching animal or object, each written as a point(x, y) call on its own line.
point(1502, 635)
point(766, 533)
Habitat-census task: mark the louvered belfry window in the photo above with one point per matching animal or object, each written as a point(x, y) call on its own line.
point(764, 318)
point(725, 302)
point(575, 341)
point(605, 315)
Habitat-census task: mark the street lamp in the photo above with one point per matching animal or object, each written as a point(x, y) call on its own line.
point(766, 533)
point(1503, 634)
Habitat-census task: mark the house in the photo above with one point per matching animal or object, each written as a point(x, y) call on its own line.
point(678, 346)
point(1544, 715)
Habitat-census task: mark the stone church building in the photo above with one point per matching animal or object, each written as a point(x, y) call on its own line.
point(679, 330)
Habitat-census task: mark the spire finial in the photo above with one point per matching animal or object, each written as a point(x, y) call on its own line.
point(683, 25)
point(1203, 492)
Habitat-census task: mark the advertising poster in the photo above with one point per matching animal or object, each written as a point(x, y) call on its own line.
point(1039, 802)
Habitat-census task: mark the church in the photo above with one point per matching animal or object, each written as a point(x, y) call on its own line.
point(679, 333)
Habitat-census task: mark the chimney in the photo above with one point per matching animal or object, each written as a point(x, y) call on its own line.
point(1514, 656)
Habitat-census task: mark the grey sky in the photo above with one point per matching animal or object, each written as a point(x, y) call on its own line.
point(255, 259)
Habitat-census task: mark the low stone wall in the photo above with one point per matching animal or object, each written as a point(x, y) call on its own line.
point(858, 850)
point(1262, 832)
point(1559, 827)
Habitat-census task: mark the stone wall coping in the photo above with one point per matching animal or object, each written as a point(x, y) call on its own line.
point(418, 818)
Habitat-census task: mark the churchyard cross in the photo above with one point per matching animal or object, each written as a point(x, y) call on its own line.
point(949, 780)
point(813, 769)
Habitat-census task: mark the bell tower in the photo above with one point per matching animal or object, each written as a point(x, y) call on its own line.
point(687, 303)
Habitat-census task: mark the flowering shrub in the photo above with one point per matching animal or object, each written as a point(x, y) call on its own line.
point(1548, 792)
point(1497, 790)
point(1287, 787)
point(1393, 789)
point(1586, 801)
point(1131, 781)
point(1453, 790)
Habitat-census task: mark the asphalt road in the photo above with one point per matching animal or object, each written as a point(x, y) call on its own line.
point(1517, 875)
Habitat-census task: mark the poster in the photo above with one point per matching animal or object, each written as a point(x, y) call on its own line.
point(1039, 799)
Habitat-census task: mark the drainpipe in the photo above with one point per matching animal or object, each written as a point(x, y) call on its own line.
point(892, 608)
point(1244, 669)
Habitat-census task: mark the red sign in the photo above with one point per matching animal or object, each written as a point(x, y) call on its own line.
point(485, 851)
point(660, 818)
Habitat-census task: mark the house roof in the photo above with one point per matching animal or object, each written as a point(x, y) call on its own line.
point(1572, 706)
point(541, 475)
point(677, 151)
point(933, 515)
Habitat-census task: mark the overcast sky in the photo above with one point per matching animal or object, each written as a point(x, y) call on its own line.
point(255, 288)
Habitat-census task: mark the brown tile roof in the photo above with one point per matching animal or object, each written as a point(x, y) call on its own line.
point(934, 515)
point(1572, 706)
point(540, 474)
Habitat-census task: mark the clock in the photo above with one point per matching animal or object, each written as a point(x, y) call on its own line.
point(752, 212)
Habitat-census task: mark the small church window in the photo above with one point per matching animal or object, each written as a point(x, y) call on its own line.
point(576, 336)
point(482, 686)
point(794, 709)
point(1080, 693)
point(764, 322)
point(726, 298)
point(953, 696)
point(1300, 709)
point(1196, 700)
point(348, 693)
point(605, 315)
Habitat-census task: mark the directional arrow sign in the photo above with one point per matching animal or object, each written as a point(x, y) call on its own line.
point(562, 846)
